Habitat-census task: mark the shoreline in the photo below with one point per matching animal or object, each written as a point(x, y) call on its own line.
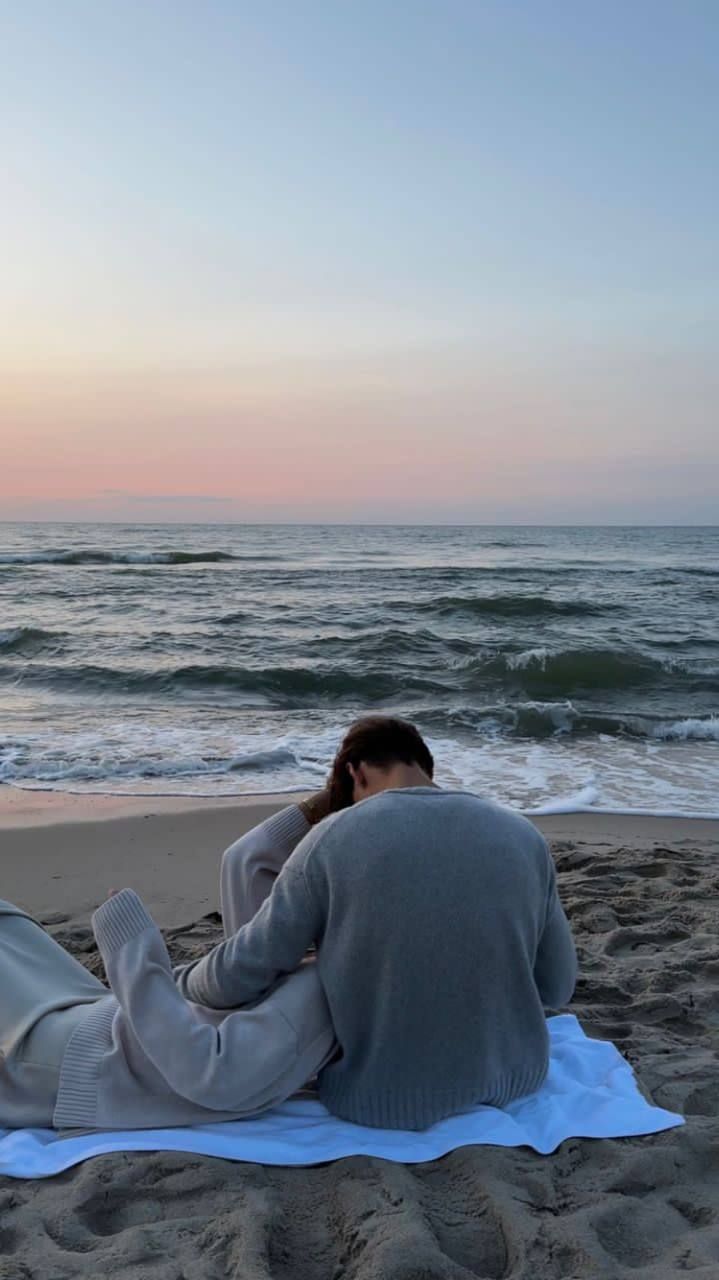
point(44, 806)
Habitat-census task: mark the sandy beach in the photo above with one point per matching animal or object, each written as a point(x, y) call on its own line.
point(642, 897)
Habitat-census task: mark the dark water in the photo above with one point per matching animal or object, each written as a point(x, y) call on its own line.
point(576, 666)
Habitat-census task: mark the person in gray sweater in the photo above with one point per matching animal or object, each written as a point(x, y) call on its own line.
point(439, 932)
point(440, 937)
point(75, 1054)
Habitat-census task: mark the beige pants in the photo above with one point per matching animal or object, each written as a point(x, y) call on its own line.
point(44, 991)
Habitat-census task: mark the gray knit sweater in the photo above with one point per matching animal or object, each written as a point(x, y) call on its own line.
point(440, 938)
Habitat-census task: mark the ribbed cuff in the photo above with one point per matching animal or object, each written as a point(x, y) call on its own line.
point(287, 828)
point(119, 919)
point(76, 1106)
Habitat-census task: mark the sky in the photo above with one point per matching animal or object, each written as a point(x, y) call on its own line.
point(425, 261)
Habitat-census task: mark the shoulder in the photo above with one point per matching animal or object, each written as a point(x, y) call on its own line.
point(512, 824)
point(337, 831)
point(315, 840)
point(461, 807)
point(511, 819)
point(496, 822)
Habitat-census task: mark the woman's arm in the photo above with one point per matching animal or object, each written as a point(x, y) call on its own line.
point(252, 864)
point(252, 1059)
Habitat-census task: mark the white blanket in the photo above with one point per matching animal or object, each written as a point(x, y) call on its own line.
point(590, 1092)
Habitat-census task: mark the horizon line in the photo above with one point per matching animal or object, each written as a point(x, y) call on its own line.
point(361, 524)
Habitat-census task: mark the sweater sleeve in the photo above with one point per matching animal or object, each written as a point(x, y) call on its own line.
point(223, 1068)
point(252, 864)
point(555, 966)
point(273, 943)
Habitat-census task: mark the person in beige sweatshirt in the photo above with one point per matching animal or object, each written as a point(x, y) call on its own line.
point(74, 1054)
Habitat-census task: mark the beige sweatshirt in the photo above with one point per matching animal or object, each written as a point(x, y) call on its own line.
point(144, 1057)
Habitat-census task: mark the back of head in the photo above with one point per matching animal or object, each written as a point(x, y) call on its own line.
point(382, 743)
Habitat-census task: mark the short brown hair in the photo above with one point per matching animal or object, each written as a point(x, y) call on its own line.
point(380, 741)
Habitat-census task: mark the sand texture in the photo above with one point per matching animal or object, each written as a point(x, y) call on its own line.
point(644, 909)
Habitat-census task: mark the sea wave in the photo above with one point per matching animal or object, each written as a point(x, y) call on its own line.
point(68, 769)
point(698, 570)
point(537, 720)
point(510, 606)
point(228, 619)
point(382, 667)
point(98, 556)
point(276, 686)
point(390, 645)
point(517, 544)
point(571, 670)
point(208, 757)
point(691, 729)
point(26, 639)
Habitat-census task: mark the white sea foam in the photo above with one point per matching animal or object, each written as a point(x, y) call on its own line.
point(588, 798)
point(528, 658)
point(561, 715)
point(691, 729)
point(10, 637)
point(553, 775)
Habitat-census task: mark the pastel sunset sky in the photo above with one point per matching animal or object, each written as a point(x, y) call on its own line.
point(397, 260)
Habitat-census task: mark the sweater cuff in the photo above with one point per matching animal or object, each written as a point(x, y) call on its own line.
point(287, 828)
point(119, 920)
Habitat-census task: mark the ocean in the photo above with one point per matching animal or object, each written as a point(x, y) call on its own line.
point(550, 668)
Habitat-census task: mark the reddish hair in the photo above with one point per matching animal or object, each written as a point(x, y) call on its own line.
point(381, 741)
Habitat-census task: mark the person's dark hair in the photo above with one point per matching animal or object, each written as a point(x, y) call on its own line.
point(381, 741)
